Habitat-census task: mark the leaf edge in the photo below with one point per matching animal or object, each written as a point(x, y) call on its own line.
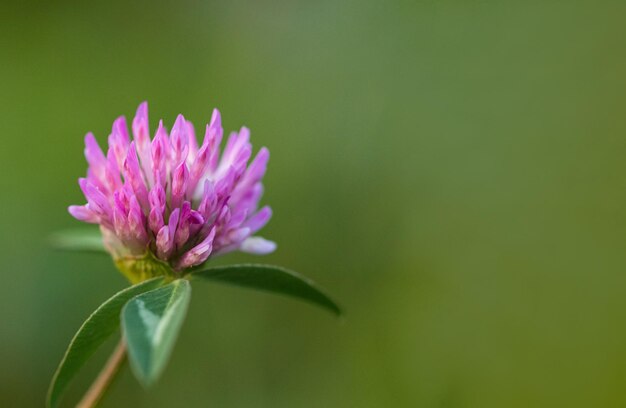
point(53, 403)
point(330, 303)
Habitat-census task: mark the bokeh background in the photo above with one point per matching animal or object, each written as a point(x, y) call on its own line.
point(452, 171)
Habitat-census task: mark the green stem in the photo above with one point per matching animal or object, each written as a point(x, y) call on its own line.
point(105, 378)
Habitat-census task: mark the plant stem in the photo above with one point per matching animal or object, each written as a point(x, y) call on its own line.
point(105, 378)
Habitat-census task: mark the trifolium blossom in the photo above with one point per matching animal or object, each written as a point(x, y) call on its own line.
point(167, 204)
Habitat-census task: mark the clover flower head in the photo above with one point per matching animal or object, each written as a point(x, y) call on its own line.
point(168, 204)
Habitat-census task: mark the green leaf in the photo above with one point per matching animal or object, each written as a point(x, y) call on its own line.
point(273, 279)
point(85, 240)
point(150, 323)
point(94, 331)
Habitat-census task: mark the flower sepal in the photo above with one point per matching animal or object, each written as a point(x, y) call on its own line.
point(138, 269)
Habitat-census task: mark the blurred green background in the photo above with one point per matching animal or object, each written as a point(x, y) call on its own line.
point(452, 171)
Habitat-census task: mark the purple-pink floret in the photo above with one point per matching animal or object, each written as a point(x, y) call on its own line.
point(169, 196)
